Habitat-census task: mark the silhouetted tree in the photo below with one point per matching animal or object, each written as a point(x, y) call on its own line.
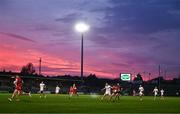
point(28, 69)
point(138, 79)
point(92, 77)
point(4, 70)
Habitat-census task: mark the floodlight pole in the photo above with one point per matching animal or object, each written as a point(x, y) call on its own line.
point(159, 77)
point(40, 65)
point(82, 55)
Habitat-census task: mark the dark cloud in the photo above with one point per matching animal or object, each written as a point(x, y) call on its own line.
point(18, 37)
point(4, 3)
point(141, 16)
point(70, 18)
point(43, 27)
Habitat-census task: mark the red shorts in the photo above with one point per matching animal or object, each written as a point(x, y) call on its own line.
point(71, 91)
point(19, 88)
point(74, 92)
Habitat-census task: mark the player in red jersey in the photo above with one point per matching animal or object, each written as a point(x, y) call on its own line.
point(73, 90)
point(119, 89)
point(18, 88)
point(115, 92)
point(70, 91)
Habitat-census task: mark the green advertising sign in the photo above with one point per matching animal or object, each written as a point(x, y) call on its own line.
point(125, 77)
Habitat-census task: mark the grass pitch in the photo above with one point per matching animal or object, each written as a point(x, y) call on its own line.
point(88, 104)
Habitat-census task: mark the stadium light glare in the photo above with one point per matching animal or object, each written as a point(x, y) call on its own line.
point(81, 27)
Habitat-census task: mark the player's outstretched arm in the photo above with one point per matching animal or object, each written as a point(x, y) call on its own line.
point(102, 89)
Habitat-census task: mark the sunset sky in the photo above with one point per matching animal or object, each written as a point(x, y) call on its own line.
point(125, 36)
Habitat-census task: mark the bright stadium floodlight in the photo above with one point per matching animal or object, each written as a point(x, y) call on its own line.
point(81, 27)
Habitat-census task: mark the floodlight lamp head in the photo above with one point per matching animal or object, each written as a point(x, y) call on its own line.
point(81, 27)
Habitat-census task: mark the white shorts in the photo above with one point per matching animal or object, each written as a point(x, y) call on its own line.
point(41, 89)
point(140, 93)
point(155, 94)
point(107, 93)
point(57, 92)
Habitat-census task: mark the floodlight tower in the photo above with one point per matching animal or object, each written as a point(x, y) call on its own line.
point(82, 28)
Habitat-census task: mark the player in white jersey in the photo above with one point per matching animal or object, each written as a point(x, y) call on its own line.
point(155, 91)
point(57, 89)
point(107, 89)
point(162, 94)
point(141, 89)
point(42, 87)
